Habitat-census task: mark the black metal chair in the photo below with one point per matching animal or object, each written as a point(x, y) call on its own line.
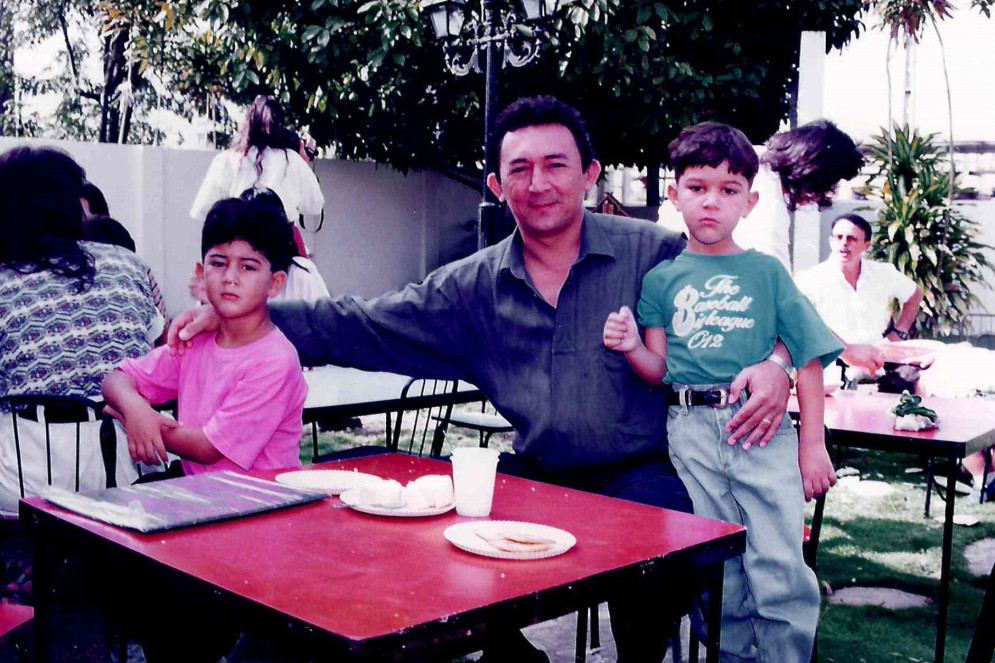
point(428, 422)
point(485, 424)
point(45, 411)
point(417, 426)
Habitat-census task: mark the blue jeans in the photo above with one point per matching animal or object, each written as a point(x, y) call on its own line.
point(770, 599)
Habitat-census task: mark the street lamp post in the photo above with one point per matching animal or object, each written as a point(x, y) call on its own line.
point(513, 38)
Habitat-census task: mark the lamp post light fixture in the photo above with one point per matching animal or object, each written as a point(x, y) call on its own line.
point(509, 37)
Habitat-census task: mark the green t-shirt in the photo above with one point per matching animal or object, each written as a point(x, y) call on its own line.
point(724, 313)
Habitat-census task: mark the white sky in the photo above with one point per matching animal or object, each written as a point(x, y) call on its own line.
point(855, 94)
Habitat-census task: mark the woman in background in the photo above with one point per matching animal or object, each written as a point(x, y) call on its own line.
point(264, 155)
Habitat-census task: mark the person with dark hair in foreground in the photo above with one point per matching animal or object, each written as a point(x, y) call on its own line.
point(770, 597)
point(72, 309)
point(522, 320)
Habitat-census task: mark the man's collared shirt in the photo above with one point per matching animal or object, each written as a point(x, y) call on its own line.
point(861, 314)
point(573, 402)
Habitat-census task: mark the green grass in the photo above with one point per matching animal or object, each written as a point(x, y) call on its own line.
point(886, 542)
point(866, 541)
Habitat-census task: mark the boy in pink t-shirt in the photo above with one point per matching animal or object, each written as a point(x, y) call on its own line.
point(240, 391)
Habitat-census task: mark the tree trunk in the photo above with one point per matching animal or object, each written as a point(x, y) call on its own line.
point(6, 68)
point(115, 71)
point(908, 103)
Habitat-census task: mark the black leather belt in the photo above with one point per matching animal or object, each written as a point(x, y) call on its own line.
point(717, 397)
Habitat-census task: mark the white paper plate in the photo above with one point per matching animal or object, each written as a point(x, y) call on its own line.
point(351, 498)
point(465, 537)
point(331, 481)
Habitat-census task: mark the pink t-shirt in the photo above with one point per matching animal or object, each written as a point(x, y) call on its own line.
point(247, 400)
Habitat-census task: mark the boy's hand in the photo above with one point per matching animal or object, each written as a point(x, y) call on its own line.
point(621, 333)
point(817, 470)
point(144, 428)
point(190, 323)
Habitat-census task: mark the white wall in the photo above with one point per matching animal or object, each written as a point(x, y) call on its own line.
point(382, 229)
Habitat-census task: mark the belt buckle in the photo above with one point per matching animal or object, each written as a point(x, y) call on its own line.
point(684, 398)
point(723, 397)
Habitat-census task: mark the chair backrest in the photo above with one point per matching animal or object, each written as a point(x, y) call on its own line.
point(421, 400)
point(982, 649)
point(48, 443)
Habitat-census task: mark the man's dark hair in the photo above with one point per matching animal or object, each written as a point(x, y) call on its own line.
point(537, 111)
point(858, 221)
point(95, 200)
point(41, 218)
point(262, 225)
point(711, 144)
point(811, 160)
point(105, 230)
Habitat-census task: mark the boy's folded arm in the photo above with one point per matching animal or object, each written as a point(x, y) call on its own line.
point(191, 444)
point(120, 390)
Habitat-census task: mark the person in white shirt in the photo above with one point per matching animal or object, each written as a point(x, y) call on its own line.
point(797, 167)
point(854, 295)
point(263, 155)
point(266, 156)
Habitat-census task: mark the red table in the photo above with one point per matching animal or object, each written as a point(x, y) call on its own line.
point(966, 425)
point(346, 583)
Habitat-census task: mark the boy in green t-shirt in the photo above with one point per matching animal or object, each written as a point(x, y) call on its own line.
point(707, 314)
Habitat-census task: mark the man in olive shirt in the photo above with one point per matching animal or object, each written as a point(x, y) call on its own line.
point(523, 321)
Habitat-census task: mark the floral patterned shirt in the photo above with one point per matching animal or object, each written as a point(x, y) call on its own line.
point(55, 340)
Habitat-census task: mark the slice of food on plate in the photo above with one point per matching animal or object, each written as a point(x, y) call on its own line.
point(515, 540)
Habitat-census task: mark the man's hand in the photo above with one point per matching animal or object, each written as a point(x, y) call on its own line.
point(190, 323)
point(621, 333)
point(759, 418)
point(144, 428)
point(817, 470)
point(863, 355)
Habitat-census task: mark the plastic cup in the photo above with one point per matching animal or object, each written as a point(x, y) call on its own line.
point(474, 471)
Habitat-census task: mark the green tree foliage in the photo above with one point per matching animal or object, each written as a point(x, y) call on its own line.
point(920, 232)
point(110, 102)
point(367, 77)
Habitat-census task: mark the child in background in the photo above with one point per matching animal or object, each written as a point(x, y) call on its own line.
point(707, 314)
point(240, 390)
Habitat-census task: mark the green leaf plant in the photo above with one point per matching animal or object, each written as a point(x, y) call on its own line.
point(921, 232)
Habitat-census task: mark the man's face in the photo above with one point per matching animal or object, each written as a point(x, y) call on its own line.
point(712, 200)
point(542, 179)
point(847, 243)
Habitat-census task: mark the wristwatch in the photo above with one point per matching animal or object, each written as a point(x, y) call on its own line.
point(790, 370)
point(904, 335)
